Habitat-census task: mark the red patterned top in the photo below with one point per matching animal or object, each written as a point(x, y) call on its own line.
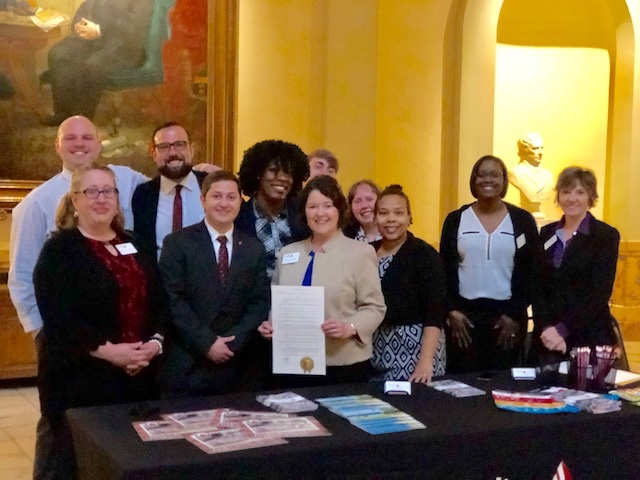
point(132, 294)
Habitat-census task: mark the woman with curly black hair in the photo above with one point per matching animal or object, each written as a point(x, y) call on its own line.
point(272, 173)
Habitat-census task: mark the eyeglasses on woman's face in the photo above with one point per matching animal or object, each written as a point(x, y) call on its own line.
point(93, 193)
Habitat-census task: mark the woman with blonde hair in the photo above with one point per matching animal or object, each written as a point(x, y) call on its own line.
point(103, 312)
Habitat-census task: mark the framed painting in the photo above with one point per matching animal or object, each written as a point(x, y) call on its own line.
point(186, 73)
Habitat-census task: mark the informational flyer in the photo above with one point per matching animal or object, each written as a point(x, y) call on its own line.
point(297, 314)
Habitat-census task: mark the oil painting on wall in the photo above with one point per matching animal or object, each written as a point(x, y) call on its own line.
point(129, 65)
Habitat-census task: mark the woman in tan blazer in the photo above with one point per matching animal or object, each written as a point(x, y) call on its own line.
point(348, 270)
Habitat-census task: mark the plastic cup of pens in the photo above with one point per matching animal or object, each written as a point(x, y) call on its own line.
point(588, 368)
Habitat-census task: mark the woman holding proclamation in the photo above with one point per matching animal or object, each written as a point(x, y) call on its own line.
point(409, 344)
point(103, 311)
point(490, 254)
point(579, 268)
point(347, 269)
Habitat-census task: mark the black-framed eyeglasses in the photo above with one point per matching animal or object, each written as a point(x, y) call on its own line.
point(166, 146)
point(93, 193)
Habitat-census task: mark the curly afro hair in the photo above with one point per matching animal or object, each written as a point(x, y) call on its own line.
point(287, 156)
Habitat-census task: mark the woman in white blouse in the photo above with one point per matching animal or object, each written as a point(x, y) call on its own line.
point(490, 251)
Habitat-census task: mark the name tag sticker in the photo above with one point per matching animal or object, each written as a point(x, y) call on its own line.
point(290, 258)
point(521, 241)
point(126, 248)
point(550, 242)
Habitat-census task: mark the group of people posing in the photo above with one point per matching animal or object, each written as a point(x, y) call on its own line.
point(180, 305)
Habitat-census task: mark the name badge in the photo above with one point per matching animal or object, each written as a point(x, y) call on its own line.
point(290, 258)
point(550, 242)
point(126, 248)
point(521, 241)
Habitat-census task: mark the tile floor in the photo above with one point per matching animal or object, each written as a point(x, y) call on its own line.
point(20, 411)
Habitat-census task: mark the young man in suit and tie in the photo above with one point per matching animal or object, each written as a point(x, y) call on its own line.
point(171, 200)
point(218, 289)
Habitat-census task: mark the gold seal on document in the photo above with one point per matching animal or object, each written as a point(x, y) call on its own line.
point(306, 364)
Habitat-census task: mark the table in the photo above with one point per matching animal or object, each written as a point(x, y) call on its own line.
point(20, 39)
point(465, 438)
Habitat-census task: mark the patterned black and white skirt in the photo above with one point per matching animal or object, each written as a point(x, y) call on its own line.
point(396, 350)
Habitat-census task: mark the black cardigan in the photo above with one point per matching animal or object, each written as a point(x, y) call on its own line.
point(578, 292)
point(525, 284)
point(413, 285)
point(77, 297)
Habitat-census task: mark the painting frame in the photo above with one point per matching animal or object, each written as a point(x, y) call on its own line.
point(221, 81)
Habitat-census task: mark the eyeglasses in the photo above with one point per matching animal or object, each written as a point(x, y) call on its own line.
point(166, 146)
point(93, 193)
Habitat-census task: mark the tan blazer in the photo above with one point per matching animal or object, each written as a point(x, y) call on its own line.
point(348, 271)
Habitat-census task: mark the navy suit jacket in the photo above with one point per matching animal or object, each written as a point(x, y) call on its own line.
point(145, 208)
point(203, 309)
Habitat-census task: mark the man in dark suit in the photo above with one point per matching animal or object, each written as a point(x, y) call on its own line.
point(218, 290)
point(107, 36)
point(172, 199)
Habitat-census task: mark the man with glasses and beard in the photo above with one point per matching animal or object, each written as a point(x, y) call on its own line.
point(171, 200)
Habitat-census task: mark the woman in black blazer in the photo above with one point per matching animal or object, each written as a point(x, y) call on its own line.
point(579, 268)
point(409, 344)
point(103, 312)
point(490, 250)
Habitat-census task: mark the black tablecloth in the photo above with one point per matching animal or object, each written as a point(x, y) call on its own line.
point(465, 438)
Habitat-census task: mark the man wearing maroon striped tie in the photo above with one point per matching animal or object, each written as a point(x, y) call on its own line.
point(216, 280)
point(171, 200)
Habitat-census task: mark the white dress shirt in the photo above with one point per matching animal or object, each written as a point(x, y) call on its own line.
point(214, 234)
point(486, 259)
point(33, 220)
point(192, 211)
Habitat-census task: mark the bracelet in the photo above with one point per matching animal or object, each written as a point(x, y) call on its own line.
point(354, 331)
point(157, 342)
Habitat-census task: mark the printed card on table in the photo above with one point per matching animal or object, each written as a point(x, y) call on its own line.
point(286, 427)
point(230, 440)
point(169, 430)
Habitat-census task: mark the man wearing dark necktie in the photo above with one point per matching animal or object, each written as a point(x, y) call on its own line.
point(171, 200)
point(218, 290)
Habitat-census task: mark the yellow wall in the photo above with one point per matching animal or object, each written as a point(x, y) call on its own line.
point(562, 93)
point(409, 109)
point(361, 78)
point(307, 74)
point(276, 54)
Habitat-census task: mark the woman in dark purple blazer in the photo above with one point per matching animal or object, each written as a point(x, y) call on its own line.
point(579, 269)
